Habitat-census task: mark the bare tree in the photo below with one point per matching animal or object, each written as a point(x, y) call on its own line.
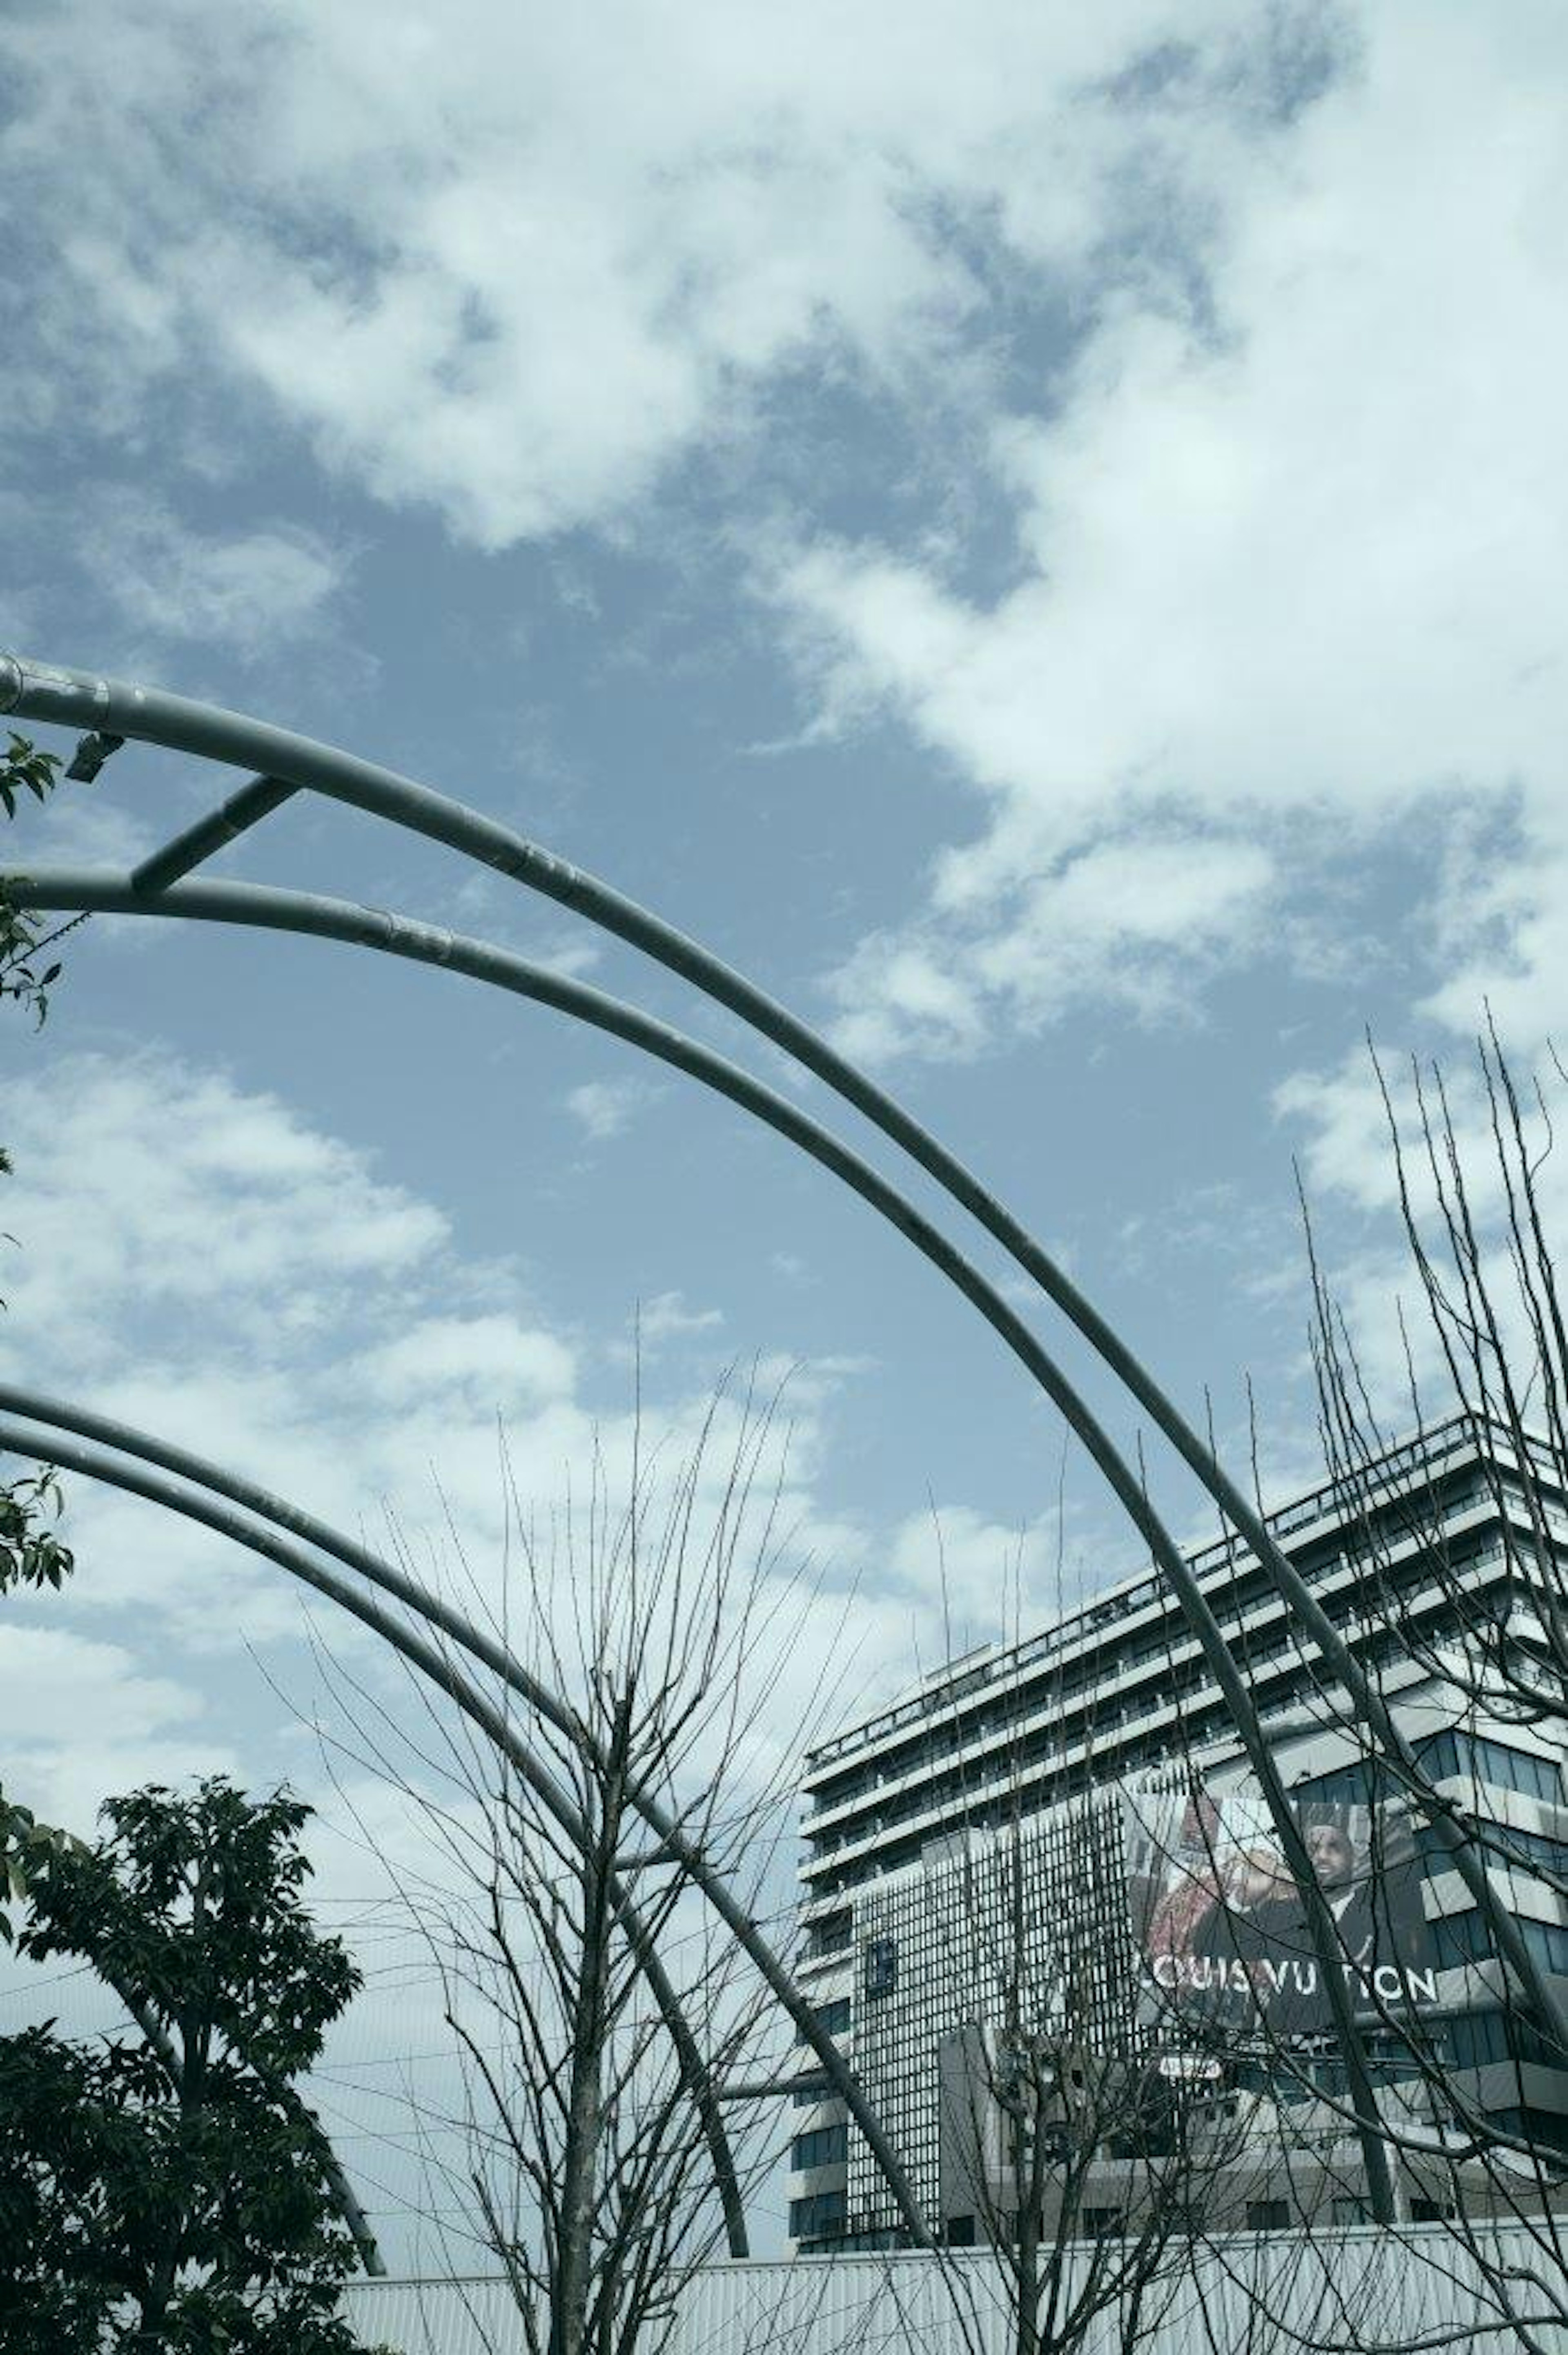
point(1080, 2142)
point(1137, 2156)
point(1091, 2166)
point(566, 1934)
point(1485, 1351)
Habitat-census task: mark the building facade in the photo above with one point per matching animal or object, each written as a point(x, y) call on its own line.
point(979, 1854)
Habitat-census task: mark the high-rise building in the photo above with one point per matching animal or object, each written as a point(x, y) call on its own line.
point(1003, 1843)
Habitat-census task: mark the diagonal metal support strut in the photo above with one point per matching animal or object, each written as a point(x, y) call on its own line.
point(199, 842)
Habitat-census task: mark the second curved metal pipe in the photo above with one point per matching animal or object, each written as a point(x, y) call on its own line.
point(309, 913)
point(79, 698)
point(96, 1462)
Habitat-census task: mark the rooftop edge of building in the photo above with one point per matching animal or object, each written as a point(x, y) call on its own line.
point(1429, 1447)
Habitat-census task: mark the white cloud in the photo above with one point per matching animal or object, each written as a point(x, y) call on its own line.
point(498, 1364)
point(521, 266)
point(83, 1719)
point(146, 1190)
point(604, 1108)
point(251, 591)
point(204, 1264)
point(1362, 1189)
point(1290, 558)
point(1125, 923)
point(967, 1574)
point(1261, 387)
point(666, 1317)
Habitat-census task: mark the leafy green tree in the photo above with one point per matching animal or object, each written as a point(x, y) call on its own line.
point(169, 2191)
point(24, 768)
point(30, 1554)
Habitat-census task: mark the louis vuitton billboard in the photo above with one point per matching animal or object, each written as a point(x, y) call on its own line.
point(1220, 1927)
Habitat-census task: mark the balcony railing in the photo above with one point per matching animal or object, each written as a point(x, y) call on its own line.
point(1424, 1452)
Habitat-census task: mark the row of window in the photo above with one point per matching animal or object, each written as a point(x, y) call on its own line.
point(1530, 1847)
point(1366, 1783)
point(1232, 1600)
point(1239, 1596)
point(819, 2212)
point(844, 2244)
point(1262, 2216)
point(1497, 1763)
point(1479, 2039)
point(823, 2146)
point(1466, 1938)
point(934, 1744)
point(1542, 2129)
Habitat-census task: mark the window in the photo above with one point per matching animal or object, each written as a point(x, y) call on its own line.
point(881, 1966)
point(960, 2232)
point(822, 2146)
point(1497, 1763)
point(834, 2017)
point(1548, 1942)
point(1479, 2038)
point(1363, 1782)
point(1268, 2215)
point(1102, 2223)
point(1503, 1842)
point(1534, 1848)
point(1466, 1938)
point(819, 2212)
point(1460, 1938)
point(1429, 2211)
point(829, 1936)
point(1347, 2210)
point(1545, 2129)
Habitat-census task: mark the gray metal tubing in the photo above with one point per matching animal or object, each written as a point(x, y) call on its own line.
point(767, 2089)
point(97, 1463)
point(238, 814)
point(74, 698)
point(338, 2184)
point(312, 915)
point(269, 1508)
point(266, 1506)
point(162, 2045)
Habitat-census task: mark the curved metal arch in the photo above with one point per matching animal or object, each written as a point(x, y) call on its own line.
point(97, 1463)
point(74, 698)
point(315, 916)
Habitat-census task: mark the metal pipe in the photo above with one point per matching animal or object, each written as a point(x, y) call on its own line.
point(311, 914)
point(199, 842)
point(338, 2184)
point(74, 698)
point(161, 2045)
point(766, 2089)
point(97, 1463)
point(267, 1506)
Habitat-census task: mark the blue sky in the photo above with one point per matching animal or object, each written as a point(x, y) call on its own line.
point(1037, 533)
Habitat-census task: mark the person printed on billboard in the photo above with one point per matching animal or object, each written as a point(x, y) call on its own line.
point(1173, 1880)
point(1226, 1939)
point(1260, 1908)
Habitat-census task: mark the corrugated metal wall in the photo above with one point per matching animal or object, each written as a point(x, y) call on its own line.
point(431, 2317)
point(1248, 2295)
